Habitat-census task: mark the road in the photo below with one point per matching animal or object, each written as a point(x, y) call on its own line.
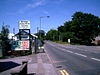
point(73, 59)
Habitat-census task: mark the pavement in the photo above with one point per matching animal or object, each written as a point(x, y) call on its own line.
point(38, 64)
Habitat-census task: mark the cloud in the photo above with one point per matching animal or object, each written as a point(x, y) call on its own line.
point(35, 4)
point(46, 12)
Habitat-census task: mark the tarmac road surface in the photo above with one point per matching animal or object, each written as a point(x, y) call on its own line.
point(73, 59)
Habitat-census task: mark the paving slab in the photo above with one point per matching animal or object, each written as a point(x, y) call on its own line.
point(38, 64)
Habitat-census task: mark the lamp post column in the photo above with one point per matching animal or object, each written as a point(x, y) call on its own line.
point(40, 24)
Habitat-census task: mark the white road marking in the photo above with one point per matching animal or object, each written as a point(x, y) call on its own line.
point(80, 54)
point(77, 53)
point(70, 51)
point(95, 59)
point(66, 50)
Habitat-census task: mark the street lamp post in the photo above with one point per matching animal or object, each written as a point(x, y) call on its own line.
point(40, 24)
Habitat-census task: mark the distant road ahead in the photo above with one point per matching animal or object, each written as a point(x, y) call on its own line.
point(74, 60)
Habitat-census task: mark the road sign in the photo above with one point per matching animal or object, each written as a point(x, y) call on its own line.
point(24, 24)
point(68, 40)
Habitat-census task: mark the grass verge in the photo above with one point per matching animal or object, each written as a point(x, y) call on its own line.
point(60, 42)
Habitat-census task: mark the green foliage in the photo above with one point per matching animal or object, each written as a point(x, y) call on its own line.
point(60, 42)
point(41, 34)
point(61, 29)
point(52, 35)
point(4, 41)
point(82, 29)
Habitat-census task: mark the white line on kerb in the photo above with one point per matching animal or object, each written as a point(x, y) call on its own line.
point(95, 59)
point(80, 54)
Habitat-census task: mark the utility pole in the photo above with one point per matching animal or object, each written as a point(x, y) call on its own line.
point(14, 31)
point(38, 30)
point(41, 24)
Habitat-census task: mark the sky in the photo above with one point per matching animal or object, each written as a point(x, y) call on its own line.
point(60, 11)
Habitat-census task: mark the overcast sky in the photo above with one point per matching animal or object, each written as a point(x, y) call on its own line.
point(60, 11)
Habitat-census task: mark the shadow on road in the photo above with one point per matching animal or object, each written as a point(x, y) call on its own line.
point(90, 72)
point(32, 74)
point(7, 65)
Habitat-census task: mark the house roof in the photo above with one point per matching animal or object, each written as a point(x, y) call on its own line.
point(25, 33)
point(22, 33)
point(97, 38)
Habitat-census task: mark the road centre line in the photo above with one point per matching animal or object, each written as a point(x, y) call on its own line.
point(95, 59)
point(66, 50)
point(70, 51)
point(75, 48)
point(64, 72)
point(80, 54)
point(73, 52)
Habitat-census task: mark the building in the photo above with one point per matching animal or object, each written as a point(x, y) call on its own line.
point(12, 36)
point(23, 41)
point(96, 40)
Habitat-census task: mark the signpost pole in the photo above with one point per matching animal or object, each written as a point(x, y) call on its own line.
point(25, 25)
point(29, 40)
point(19, 34)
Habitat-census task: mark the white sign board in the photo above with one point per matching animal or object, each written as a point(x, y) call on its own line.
point(68, 40)
point(24, 24)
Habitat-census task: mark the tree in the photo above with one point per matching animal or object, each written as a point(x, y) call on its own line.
point(41, 34)
point(4, 41)
point(81, 29)
point(52, 35)
point(61, 29)
point(86, 26)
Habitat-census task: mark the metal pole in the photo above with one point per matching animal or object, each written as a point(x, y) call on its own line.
point(14, 31)
point(30, 40)
point(19, 34)
point(40, 28)
point(36, 45)
point(40, 24)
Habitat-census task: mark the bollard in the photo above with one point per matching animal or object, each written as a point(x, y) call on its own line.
point(22, 70)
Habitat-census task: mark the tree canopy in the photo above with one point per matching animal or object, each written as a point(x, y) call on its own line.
point(4, 41)
point(52, 35)
point(81, 29)
point(41, 34)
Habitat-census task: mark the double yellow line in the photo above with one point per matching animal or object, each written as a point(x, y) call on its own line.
point(64, 72)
